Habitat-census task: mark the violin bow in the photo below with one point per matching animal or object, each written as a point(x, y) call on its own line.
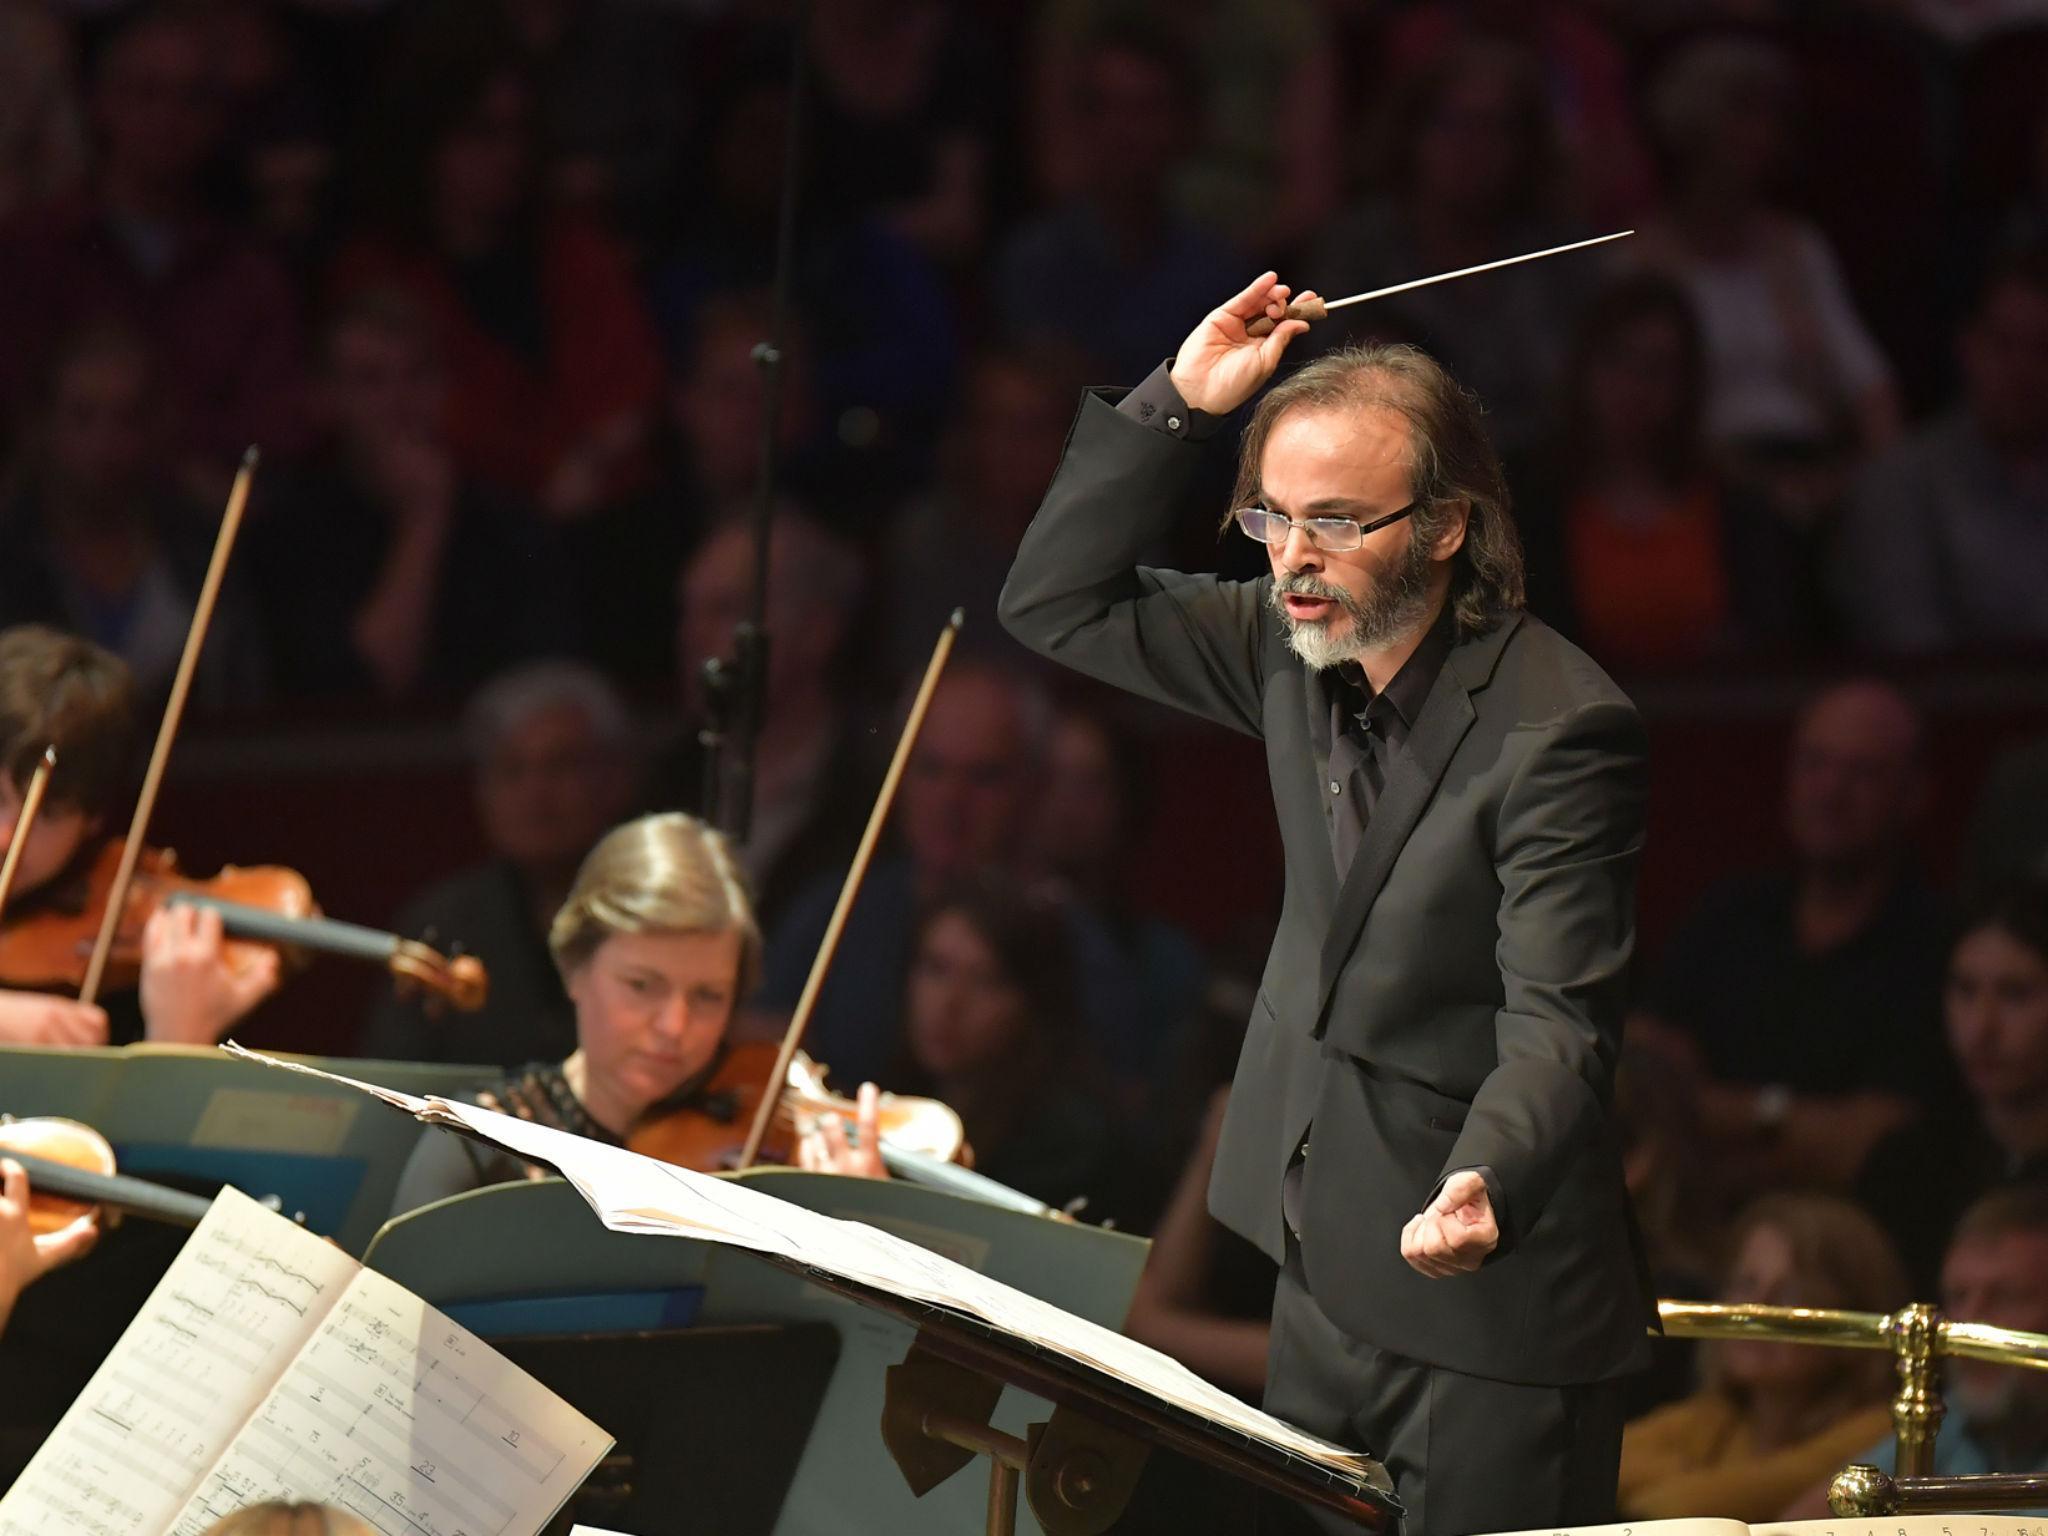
point(174, 712)
point(807, 1002)
point(31, 802)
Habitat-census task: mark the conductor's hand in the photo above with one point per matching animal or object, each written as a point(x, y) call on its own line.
point(1219, 367)
point(191, 989)
point(1456, 1233)
point(24, 1256)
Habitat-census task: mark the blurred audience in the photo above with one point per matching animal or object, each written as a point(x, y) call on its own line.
point(1995, 1007)
point(1118, 235)
point(99, 540)
point(812, 784)
point(2008, 835)
point(1797, 388)
point(1086, 842)
point(991, 1026)
point(1638, 542)
point(1772, 1418)
point(553, 750)
point(1206, 1295)
point(951, 547)
point(1946, 541)
point(382, 565)
point(1468, 174)
point(42, 134)
point(1806, 1000)
point(1996, 1272)
point(551, 359)
point(142, 244)
point(1265, 162)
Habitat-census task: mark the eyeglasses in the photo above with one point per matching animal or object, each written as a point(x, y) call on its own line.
point(1335, 534)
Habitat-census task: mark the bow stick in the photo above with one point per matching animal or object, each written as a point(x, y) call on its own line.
point(31, 802)
point(800, 1020)
point(1313, 308)
point(174, 711)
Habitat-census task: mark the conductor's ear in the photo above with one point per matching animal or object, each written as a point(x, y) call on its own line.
point(1450, 537)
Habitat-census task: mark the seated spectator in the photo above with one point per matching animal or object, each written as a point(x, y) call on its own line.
point(952, 546)
point(1119, 234)
point(383, 569)
point(1996, 1272)
point(1469, 177)
point(877, 323)
point(812, 786)
point(1947, 535)
point(1265, 121)
point(1206, 1295)
point(963, 806)
point(656, 944)
point(1772, 1418)
point(1659, 556)
point(991, 1026)
point(2008, 839)
point(63, 692)
point(1995, 1006)
point(552, 746)
point(549, 353)
point(25, 1255)
point(1807, 999)
point(900, 122)
point(1086, 837)
point(99, 541)
point(1798, 392)
point(42, 140)
point(143, 248)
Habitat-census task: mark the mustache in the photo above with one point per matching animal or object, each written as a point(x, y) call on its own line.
point(1308, 584)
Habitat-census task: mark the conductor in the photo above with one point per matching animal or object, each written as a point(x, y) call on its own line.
point(1419, 1129)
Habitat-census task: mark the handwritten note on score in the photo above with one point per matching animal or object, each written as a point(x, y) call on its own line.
point(268, 1364)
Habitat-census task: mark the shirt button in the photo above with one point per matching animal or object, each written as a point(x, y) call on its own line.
point(1336, 788)
point(1173, 423)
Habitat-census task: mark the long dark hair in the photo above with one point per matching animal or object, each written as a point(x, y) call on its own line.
point(1453, 460)
point(1616, 310)
point(2018, 908)
point(1028, 936)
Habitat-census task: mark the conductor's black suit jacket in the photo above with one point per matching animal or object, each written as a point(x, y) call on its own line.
point(1456, 1001)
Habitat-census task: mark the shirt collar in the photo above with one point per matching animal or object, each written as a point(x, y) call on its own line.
point(1408, 689)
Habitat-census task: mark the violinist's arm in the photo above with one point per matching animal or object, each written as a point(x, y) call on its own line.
point(35, 1018)
point(191, 995)
point(1171, 1310)
point(24, 1257)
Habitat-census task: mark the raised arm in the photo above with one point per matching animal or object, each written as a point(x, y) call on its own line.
point(1077, 594)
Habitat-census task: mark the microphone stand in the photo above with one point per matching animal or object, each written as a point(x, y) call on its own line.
point(736, 687)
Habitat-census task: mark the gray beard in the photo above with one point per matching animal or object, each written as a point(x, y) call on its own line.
point(1395, 608)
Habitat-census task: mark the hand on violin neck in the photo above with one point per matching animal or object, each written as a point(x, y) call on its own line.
point(35, 1018)
point(192, 989)
point(24, 1257)
point(823, 1145)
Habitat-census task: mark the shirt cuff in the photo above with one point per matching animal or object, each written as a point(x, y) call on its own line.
point(1158, 404)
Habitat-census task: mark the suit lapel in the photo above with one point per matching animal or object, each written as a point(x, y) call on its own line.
point(1411, 781)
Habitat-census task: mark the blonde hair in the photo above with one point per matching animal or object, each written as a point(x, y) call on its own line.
point(281, 1519)
point(668, 873)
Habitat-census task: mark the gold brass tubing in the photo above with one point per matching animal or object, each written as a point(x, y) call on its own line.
point(1784, 1325)
point(2001, 1346)
point(1865, 1493)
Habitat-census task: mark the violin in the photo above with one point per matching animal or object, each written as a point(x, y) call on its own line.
point(922, 1140)
point(262, 906)
point(71, 1178)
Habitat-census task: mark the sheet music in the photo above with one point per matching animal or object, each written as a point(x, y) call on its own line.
point(631, 1193)
point(245, 1292)
point(410, 1421)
